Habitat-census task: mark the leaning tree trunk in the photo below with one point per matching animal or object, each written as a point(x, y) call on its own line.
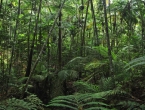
point(45, 43)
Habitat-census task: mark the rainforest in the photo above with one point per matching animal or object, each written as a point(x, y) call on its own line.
point(72, 54)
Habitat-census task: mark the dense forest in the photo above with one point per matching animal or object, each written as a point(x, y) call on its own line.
point(72, 54)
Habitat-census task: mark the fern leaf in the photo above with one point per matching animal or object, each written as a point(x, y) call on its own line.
point(96, 104)
point(97, 108)
point(136, 62)
point(17, 104)
point(86, 87)
point(94, 64)
point(131, 105)
point(62, 105)
point(106, 83)
point(101, 95)
point(63, 101)
point(76, 63)
point(67, 74)
point(38, 78)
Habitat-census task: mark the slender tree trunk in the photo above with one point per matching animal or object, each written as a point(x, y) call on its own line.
point(84, 29)
point(15, 35)
point(81, 24)
point(96, 43)
point(1, 5)
point(45, 43)
point(33, 41)
point(108, 39)
point(14, 40)
point(59, 41)
point(28, 33)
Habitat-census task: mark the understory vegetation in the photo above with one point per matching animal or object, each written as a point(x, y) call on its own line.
point(72, 55)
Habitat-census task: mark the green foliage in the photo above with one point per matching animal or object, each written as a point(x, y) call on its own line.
point(31, 102)
point(106, 83)
point(80, 101)
point(38, 78)
point(99, 52)
point(76, 63)
point(34, 100)
point(84, 87)
point(67, 75)
point(101, 89)
point(93, 97)
point(130, 105)
point(135, 62)
point(94, 64)
point(17, 104)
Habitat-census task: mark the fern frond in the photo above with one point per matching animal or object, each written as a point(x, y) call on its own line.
point(22, 80)
point(62, 105)
point(97, 108)
point(67, 74)
point(94, 64)
point(96, 104)
point(101, 95)
point(130, 105)
point(106, 83)
point(86, 101)
point(64, 101)
point(76, 63)
point(135, 62)
point(34, 100)
point(86, 87)
point(17, 104)
point(97, 52)
point(38, 78)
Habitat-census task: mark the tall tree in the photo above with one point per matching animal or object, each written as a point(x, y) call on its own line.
point(60, 40)
point(108, 38)
point(33, 41)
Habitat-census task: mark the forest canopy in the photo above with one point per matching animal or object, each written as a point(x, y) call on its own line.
point(72, 54)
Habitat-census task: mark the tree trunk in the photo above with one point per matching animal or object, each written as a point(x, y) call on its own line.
point(108, 39)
